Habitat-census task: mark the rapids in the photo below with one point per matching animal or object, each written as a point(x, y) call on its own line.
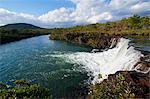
point(120, 58)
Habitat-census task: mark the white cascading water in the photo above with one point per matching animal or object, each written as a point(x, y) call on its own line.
point(120, 58)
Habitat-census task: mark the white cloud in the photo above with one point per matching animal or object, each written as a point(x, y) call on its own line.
point(140, 7)
point(12, 17)
point(122, 4)
point(88, 9)
point(58, 15)
point(101, 17)
point(85, 12)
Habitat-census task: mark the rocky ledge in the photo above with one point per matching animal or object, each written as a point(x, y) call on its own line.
point(126, 84)
point(144, 64)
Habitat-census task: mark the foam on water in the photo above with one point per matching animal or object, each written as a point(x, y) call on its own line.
point(122, 57)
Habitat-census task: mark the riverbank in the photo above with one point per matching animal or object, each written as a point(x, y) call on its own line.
point(11, 35)
point(100, 35)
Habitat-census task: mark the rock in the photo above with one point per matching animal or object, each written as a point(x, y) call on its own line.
point(144, 64)
point(114, 42)
point(2, 86)
point(95, 50)
point(139, 82)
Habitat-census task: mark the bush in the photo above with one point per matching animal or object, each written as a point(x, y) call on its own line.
point(116, 88)
point(25, 90)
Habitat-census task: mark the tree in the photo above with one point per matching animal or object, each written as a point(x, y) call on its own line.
point(134, 22)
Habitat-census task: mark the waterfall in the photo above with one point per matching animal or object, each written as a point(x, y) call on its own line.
point(120, 58)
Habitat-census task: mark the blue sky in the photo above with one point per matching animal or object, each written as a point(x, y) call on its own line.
point(64, 13)
point(36, 7)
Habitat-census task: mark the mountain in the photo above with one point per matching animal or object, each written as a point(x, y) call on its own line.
point(19, 31)
point(20, 26)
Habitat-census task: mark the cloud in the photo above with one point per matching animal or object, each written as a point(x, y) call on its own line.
point(58, 15)
point(101, 17)
point(12, 17)
point(85, 12)
point(141, 7)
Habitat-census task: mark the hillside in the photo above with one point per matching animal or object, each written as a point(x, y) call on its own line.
point(99, 35)
point(20, 26)
point(18, 31)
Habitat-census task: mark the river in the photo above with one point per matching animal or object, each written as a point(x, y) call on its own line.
point(61, 66)
point(31, 59)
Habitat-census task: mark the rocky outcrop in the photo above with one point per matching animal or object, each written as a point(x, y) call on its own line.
point(144, 64)
point(139, 82)
point(126, 84)
point(94, 40)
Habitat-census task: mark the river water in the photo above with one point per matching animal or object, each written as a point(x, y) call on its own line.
point(31, 59)
point(62, 66)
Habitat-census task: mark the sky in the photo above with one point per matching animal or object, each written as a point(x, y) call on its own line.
point(66, 13)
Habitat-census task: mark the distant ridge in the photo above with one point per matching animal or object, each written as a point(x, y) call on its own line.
point(19, 31)
point(20, 26)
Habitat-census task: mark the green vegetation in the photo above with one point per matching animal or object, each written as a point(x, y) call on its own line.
point(18, 31)
point(99, 35)
point(23, 90)
point(122, 85)
point(114, 88)
point(95, 35)
point(9, 35)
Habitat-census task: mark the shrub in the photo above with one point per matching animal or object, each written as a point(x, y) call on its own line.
point(25, 90)
point(116, 88)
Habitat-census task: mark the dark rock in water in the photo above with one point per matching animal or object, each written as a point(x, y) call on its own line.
point(2, 86)
point(144, 64)
point(114, 42)
point(95, 50)
point(144, 52)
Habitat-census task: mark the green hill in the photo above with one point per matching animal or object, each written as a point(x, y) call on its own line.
point(18, 31)
point(20, 26)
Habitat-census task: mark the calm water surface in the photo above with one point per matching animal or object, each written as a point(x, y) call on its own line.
point(141, 43)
